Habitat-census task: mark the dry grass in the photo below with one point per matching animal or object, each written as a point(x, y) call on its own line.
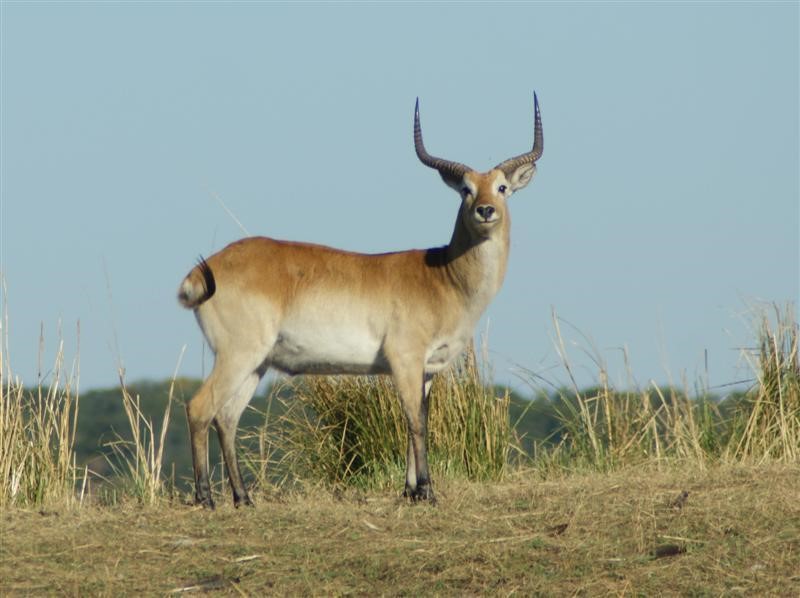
point(646, 495)
point(606, 427)
point(771, 422)
point(351, 429)
point(37, 437)
point(625, 533)
point(138, 461)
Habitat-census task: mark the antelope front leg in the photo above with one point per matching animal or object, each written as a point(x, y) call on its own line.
point(418, 483)
point(411, 467)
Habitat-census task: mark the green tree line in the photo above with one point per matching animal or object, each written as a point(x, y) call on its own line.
point(541, 420)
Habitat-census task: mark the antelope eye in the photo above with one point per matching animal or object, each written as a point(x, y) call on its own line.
point(465, 191)
point(502, 188)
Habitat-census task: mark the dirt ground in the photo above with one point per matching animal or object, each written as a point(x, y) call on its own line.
point(641, 531)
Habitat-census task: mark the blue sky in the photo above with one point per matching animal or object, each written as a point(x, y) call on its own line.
point(664, 212)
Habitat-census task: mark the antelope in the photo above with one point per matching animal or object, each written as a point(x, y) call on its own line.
point(303, 308)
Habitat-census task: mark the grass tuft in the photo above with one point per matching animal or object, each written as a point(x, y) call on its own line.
point(351, 429)
point(137, 461)
point(603, 427)
point(37, 437)
point(767, 421)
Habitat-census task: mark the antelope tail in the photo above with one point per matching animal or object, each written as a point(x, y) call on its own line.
point(198, 286)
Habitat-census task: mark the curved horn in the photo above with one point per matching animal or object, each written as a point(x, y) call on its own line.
point(510, 165)
point(451, 172)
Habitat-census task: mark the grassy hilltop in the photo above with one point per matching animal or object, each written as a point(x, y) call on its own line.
point(622, 533)
point(593, 491)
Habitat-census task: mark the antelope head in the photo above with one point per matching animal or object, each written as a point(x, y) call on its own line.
point(484, 194)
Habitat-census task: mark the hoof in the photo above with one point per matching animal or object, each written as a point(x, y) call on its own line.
point(243, 501)
point(422, 492)
point(204, 501)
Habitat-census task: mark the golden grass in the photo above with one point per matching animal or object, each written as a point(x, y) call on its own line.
point(351, 429)
point(138, 461)
point(770, 429)
point(605, 427)
point(37, 436)
point(630, 532)
point(650, 493)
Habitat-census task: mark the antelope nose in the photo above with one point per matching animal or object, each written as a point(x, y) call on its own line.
point(485, 212)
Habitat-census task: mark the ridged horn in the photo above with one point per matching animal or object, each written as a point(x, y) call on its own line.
point(510, 165)
point(451, 172)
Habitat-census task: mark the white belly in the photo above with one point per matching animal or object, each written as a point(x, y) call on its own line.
point(339, 347)
point(348, 341)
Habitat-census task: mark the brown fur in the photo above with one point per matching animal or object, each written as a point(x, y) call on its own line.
point(304, 308)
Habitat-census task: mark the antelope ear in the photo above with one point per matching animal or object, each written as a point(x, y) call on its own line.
point(521, 176)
